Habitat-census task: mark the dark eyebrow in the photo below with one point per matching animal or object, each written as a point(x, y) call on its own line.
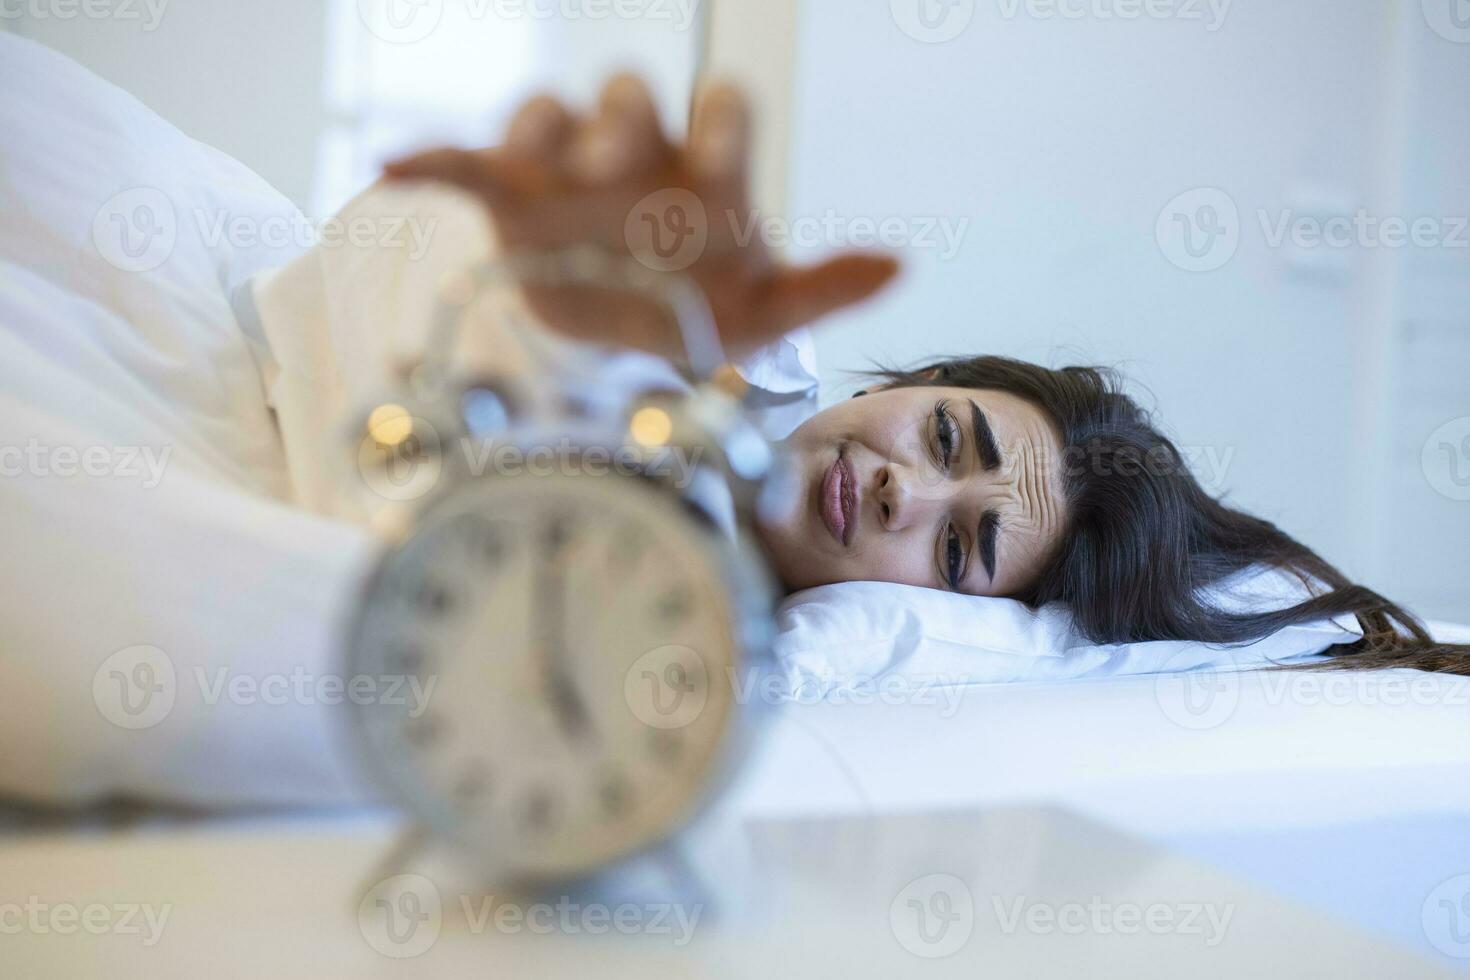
point(985, 444)
point(985, 541)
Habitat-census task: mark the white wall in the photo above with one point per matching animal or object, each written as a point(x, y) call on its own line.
point(242, 75)
point(1314, 378)
point(1062, 140)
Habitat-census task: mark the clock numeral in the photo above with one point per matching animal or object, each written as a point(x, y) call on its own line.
point(556, 534)
point(472, 785)
point(434, 600)
point(424, 730)
point(614, 795)
point(666, 745)
point(407, 660)
point(626, 548)
point(486, 541)
point(674, 605)
point(538, 812)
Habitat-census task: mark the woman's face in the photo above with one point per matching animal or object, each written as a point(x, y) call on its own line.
point(949, 488)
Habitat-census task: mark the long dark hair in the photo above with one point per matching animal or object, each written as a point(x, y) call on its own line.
point(1145, 541)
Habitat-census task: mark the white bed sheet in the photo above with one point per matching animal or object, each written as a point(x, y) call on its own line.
point(1154, 755)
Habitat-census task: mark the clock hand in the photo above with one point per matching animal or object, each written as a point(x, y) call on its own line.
point(570, 710)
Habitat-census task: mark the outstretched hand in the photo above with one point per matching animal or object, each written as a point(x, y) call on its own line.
point(613, 180)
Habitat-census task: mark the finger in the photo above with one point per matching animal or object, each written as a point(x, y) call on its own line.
point(623, 139)
point(540, 129)
point(487, 173)
point(627, 101)
point(720, 136)
point(799, 296)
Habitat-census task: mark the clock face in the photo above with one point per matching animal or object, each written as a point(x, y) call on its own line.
point(568, 654)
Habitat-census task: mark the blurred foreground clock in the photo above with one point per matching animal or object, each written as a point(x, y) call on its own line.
point(573, 604)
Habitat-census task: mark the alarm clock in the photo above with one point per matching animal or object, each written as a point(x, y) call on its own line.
point(585, 633)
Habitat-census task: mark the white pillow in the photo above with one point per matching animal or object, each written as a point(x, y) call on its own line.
point(843, 637)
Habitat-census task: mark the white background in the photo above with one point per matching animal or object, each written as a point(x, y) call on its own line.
point(1315, 375)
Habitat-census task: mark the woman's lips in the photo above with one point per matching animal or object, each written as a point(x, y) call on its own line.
point(838, 501)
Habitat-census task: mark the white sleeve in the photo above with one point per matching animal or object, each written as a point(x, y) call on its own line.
point(169, 634)
point(783, 379)
point(335, 325)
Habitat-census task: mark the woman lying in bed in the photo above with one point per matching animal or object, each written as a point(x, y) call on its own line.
point(982, 475)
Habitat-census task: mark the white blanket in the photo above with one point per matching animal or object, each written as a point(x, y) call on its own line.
point(181, 564)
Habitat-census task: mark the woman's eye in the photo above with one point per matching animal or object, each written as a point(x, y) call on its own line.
point(954, 557)
point(946, 435)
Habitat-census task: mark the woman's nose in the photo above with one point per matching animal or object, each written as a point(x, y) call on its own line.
point(894, 501)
